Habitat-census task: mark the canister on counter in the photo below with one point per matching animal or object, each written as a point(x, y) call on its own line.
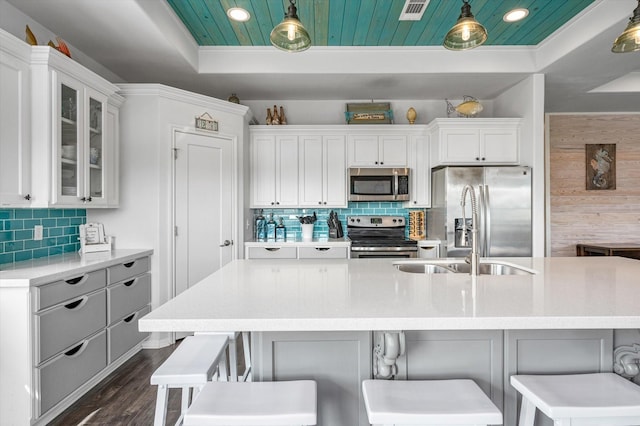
point(261, 227)
point(271, 228)
point(281, 231)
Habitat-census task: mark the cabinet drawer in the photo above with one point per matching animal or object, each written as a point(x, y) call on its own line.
point(59, 291)
point(66, 372)
point(64, 325)
point(128, 296)
point(129, 269)
point(322, 252)
point(124, 335)
point(272, 253)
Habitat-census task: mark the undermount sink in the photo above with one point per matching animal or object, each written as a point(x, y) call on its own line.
point(485, 268)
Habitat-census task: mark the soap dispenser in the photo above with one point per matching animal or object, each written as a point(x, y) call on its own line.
point(271, 228)
point(281, 232)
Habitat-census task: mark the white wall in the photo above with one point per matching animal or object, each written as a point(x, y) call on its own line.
point(526, 100)
point(14, 22)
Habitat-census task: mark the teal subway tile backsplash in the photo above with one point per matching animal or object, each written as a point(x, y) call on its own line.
point(60, 233)
point(321, 229)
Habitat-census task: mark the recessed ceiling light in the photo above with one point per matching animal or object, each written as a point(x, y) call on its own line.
point(238, 14)
point(515, 15)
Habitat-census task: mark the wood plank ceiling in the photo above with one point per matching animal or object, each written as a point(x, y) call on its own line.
point(371, 22)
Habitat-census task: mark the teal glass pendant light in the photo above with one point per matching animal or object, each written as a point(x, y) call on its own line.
point(290, 35)
point(467, 33)
point(629, 40)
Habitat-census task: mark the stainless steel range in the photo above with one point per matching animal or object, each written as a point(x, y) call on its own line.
point(379, 236)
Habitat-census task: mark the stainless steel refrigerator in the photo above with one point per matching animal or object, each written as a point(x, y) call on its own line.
point(503, 197)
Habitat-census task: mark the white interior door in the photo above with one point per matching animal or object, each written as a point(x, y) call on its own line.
point(204, 209)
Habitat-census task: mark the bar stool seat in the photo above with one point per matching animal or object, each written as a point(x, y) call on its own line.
point(428, 402)
point(254, 404)
point(579, 399)
point(189, 367)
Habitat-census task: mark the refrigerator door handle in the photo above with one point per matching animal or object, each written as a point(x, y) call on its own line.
point(481, 224)
point(487, 224)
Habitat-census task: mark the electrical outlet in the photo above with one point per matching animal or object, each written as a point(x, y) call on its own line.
point(37, 233)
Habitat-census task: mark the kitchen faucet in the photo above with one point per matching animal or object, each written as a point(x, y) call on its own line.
point(473, 258)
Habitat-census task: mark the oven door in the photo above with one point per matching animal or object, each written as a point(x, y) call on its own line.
point(383, 253)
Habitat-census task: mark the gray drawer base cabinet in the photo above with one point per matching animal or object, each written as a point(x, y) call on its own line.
point(68, 334)
point(337, 361)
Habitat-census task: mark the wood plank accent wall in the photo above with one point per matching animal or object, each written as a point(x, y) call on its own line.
point(596, 216)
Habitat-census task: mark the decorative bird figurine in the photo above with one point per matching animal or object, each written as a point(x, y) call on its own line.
point(61, 47)
point(469, 107)
point(31, 39)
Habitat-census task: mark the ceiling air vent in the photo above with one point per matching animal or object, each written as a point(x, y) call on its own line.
point(413, 10)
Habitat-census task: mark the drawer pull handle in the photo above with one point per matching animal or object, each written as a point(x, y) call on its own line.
point(272, 248)
point(76, 280)
point(76, 351)
point(131, 317)
point(323, 248)
point(128, 283)
point(129, 265)
point(78, 303)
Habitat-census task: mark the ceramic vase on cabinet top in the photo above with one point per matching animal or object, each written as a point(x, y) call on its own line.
point(411, 115)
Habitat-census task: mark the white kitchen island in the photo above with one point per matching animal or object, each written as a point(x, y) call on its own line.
point(319, 319)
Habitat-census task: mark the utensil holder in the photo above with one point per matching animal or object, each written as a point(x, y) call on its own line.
point(307, 231)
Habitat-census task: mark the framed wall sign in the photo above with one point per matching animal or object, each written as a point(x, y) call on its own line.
point(601, 166)
point(206, 122)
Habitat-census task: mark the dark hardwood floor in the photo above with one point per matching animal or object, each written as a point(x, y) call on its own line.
point(125, 397)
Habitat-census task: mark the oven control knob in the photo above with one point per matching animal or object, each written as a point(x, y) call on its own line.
point(395, 220)
point(357, 220)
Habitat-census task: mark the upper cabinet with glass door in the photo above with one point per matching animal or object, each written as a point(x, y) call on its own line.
point(76, 149)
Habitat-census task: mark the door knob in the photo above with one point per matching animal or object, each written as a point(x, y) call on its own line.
point(226, 243)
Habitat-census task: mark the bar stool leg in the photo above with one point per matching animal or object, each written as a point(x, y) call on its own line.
point(527, 413)
point(246, 377)
point(161, 406)
point(233, 360)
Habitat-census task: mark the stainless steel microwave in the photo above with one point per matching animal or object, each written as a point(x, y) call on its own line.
point(378, 184)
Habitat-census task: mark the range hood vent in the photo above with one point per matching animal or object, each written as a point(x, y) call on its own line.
point(413, 10)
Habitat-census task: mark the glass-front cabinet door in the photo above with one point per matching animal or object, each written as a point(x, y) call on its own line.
point(69, 181)
point(95, 149)
point(81, 175)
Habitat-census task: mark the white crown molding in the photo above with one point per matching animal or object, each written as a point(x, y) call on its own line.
point(176, 94)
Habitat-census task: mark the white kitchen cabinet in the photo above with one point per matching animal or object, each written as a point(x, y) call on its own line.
point(75, 133)
point(274, 170)
point(371, 150)
point(476, 141)
point(15, 104)
point(420, 165)
point(323, 171)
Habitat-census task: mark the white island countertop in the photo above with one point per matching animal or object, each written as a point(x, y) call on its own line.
point(371, 294)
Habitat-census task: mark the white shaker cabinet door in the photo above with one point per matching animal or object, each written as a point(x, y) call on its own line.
point(335, 176)
point(393, 150)
point(15, 140)
point(311, 171)
point(287, 171)
point(263, 169)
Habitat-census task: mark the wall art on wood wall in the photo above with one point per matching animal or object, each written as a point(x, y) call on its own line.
point(601, 166)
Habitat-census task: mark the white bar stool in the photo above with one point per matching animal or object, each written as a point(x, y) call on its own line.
point(189, 367)
point(579, 399)
point(233, 354)
point(428, 402)
point(254, 404)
